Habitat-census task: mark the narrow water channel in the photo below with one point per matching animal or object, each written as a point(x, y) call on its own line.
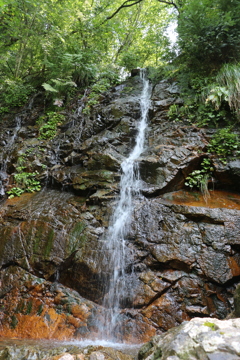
point(130, 185)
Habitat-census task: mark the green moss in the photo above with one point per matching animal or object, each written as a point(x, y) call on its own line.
point(29, 308)
point(76, 237)
point(68, 309)
point(78, 229)
point(49, 243)
point(43, 241)
point(14, 322)
point(157, 354)
point(37, 239)
point(40, 310)
point(210, 324)
point(127, 89)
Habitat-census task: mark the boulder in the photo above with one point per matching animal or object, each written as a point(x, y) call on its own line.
point(200, 338)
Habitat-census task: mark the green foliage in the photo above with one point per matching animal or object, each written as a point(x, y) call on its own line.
point(44, 40)
point(164, 71)
point(110, 74)
point(130, 60)
point(209, 33)
point(25, 179)
point(226, 88)
point(199, 178)
point(225, 143)
point(27, 183)
point(175, 113)
point(14, 93)
point(198, 113)
point(48, 125)
point(217, 95)
point(209, 52)
point(61, 88)
point(15, 191)
point(80, 66)
point(99, 87)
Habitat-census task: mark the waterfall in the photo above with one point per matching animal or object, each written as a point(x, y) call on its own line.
point(115, 247)
point(5, 156)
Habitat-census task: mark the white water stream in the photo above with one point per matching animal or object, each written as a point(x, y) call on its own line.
point(121, 220)
point(5, 156)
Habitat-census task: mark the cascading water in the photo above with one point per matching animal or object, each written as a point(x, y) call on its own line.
point(5, 156)
point(121, 219)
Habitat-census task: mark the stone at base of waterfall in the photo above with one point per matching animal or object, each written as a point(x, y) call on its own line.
point(16, 351)
point(200, 338)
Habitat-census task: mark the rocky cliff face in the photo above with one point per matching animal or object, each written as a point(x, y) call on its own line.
point(184, 253)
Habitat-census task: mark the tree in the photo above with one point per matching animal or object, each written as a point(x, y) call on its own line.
point(209, 34)
point(44, 40)
point(129, 3)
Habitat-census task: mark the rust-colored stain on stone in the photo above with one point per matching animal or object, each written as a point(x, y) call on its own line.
point(216, 199)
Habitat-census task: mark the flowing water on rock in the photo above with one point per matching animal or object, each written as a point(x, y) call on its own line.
point(11, 143)
point(6, 155)
point(118, 292)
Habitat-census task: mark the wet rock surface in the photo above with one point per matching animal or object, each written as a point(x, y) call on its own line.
point(183, 257)
point(37, 309)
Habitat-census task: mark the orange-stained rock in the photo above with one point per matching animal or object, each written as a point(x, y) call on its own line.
point(80, 311)
point(234, 264)
point(217, 199)
point(29, 309)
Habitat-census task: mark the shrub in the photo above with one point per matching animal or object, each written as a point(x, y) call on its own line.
point(99, 87)
point(227, 88)
point(225, 143)
point(199, 178)
point(14, 93)
point(48, 130)
point(197, 113)
point(25, 178)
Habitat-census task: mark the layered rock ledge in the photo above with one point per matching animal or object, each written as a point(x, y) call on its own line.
point(183, 256)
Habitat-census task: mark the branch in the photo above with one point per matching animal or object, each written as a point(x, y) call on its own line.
point(170, 3)
point(124, 5)
point(129, 3)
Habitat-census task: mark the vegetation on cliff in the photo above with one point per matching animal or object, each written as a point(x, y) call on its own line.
point(78, 49)
point(56, 45)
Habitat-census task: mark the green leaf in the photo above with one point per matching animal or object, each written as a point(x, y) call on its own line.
point(48, 87)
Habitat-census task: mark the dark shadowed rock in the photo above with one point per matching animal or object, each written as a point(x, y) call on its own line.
point(236, 312)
